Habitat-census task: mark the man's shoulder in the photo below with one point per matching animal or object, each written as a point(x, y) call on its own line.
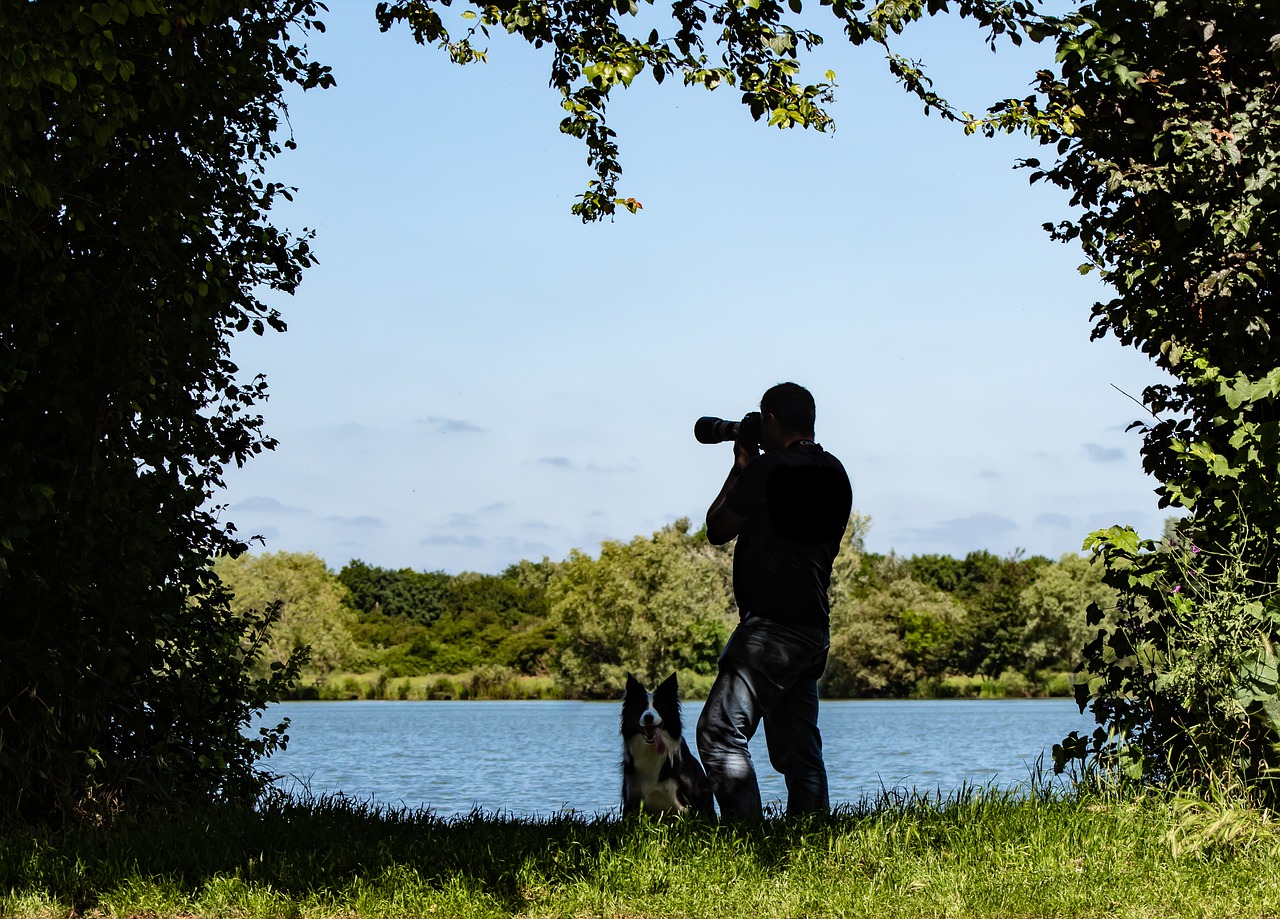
point(809, 497)
point(778, 473)
point(828, 458)
point(811, 456)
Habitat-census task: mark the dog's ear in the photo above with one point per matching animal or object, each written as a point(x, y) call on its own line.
point(633, 683)
point(669, 685)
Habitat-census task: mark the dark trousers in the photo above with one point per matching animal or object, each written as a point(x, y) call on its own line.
point(768, 671)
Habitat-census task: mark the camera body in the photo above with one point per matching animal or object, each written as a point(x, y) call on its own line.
point(711, 430)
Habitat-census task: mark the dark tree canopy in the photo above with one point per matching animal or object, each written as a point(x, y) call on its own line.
point(133, 241)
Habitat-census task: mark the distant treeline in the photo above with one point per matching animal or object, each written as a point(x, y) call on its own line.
point(928, 625)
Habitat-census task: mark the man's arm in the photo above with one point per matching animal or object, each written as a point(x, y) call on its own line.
point(723, 524)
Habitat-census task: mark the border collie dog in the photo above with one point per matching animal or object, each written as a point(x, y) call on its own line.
point(659, 772)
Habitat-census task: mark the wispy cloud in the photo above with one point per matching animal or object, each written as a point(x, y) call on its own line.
point(1100, 454)
point(450, 425)
point(610, 470)
point(261, 504)
point(524, 548)
point(564, 462)
point(352, 432)
point(468, 519)
point(976, 529)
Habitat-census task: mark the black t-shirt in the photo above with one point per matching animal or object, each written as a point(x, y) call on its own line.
point(797, 502)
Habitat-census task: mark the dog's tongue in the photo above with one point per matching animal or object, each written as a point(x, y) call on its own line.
point(659, 744)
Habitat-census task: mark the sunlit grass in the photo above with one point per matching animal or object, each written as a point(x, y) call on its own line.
point(504, 684)
point(373, 684)
point(978, 853)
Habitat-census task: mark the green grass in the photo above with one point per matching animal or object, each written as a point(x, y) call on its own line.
point(978, 853)
point(501, 683)
point(345, 686)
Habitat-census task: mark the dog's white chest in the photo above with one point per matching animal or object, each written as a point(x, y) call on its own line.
point(643, 782)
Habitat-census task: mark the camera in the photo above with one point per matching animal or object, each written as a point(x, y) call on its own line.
point(711, 430)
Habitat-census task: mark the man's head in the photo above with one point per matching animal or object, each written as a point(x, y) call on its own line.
point(787, 415)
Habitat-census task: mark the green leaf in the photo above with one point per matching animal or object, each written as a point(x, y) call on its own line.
point(1121, 539)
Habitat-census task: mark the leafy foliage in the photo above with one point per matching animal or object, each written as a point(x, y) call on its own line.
point(650, 607)
point(133, 242)
point(417, 595)
point(991, 588)
point(663, 603)
point(914, 621)
point(458, 623)
point(311, 614)
point(1055, 612)
point(1165, 123)
point(1184, 678)
point(1173, 154)
point(597, 46)
point(892, 639)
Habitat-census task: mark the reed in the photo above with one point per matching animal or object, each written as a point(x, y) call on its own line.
point(975, 853)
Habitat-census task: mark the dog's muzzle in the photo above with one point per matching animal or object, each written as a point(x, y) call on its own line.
point(649, 725)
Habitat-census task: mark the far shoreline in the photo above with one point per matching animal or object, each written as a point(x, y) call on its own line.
point(490, 686)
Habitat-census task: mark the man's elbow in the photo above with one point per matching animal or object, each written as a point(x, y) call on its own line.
point(722, 526)
point(715, 536)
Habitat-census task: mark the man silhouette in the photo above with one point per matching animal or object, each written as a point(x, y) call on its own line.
point(788, 508)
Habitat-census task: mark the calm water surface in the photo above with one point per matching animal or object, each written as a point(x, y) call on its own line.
point(531, 758)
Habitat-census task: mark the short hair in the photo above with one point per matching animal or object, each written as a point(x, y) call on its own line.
point(792, 405)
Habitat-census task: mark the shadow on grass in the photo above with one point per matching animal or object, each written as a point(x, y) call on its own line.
point(324, 849)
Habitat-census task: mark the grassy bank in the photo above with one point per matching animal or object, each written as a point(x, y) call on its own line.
point(977, 854)
point(495, 682)
point(484, 683)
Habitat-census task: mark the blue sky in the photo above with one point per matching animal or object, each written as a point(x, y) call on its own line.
point(472, 377)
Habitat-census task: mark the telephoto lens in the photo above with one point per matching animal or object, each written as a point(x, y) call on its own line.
point(710, 430)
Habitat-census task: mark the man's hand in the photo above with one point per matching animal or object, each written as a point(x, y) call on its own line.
point(744, 454)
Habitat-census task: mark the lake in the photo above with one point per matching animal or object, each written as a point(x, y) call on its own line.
point(541, 758)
